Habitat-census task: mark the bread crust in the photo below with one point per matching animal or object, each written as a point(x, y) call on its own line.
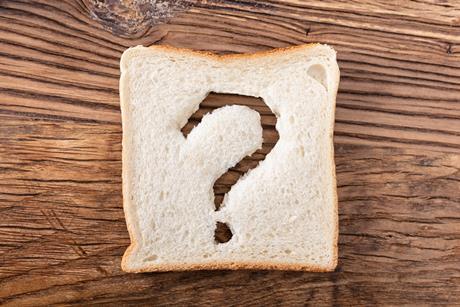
point(263, 53)
point(229, 266)
point(127, 205)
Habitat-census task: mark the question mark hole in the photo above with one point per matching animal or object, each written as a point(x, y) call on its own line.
point(270, 136)
point(222, 234)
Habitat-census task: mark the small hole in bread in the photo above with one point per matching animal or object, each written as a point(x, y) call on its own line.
point(318, 73)
point(302, 151)
point(222, 233)
point(151, 258)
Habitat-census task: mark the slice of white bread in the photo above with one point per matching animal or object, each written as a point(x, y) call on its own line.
point(282, 214)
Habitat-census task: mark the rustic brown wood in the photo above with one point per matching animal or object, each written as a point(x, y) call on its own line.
point(397, 141)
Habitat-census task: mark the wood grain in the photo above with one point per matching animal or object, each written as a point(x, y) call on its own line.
point(397, 141)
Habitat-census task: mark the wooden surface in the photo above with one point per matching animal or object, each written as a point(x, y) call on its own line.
point(397, 141)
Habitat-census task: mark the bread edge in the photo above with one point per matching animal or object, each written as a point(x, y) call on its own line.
point(226, 265)
point(230, 266)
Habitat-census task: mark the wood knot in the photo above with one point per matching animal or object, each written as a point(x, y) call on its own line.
point(131, 17)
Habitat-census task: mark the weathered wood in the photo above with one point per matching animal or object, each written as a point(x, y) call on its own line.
point(397, 141)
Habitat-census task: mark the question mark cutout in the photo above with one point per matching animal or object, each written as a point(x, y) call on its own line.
point(228, 179)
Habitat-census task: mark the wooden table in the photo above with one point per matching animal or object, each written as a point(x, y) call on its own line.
point(397, 142)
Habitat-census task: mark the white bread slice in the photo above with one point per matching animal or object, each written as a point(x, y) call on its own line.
point(283, 213)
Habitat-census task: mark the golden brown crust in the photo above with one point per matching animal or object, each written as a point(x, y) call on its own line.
point(221, 265)
point(228, 266)
point(334, 176)
point(125, 168)
point(207, 54)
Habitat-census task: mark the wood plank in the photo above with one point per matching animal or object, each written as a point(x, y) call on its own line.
point(397, 141)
